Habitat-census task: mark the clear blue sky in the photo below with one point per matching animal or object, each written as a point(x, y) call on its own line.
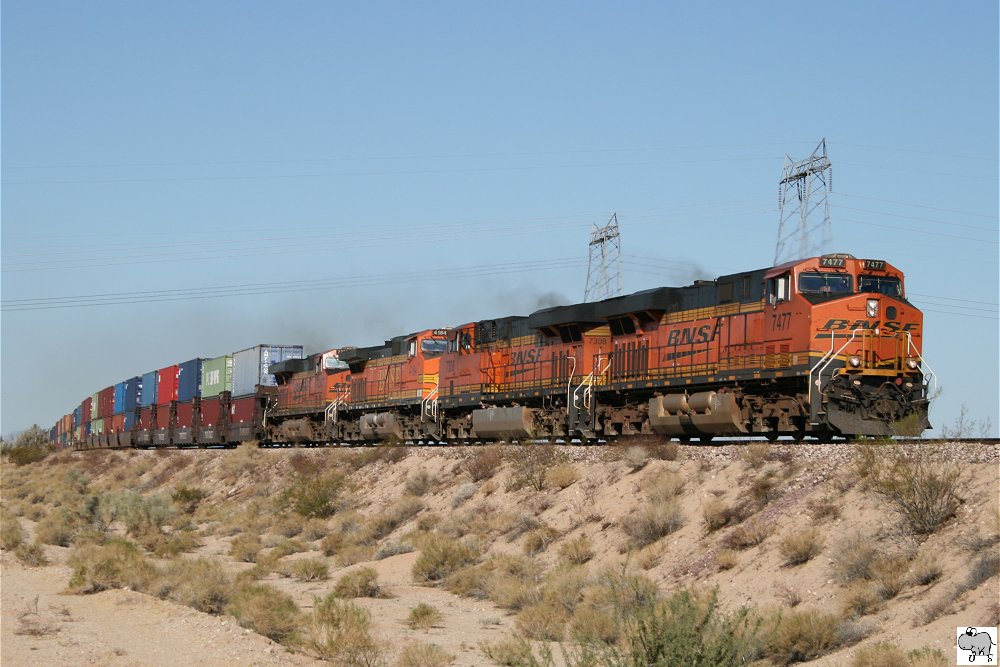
point(305, 151)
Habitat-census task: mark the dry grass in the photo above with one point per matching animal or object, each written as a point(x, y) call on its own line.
point(31, 554)
point(635, 457)
point(537, 541)
point(117, 564)
point(11, 534)
point(201, 584)
point(424, 617)
point(339, 631)
point(441, 556)
point(308, 569)
point(800, 546)
point(561, 476)
point(360, 583)
point(748, 535)
point(424, 655)
point(576, 551)
point(663, 485)
point(755, 454)
point(798, 636)
point(853, 558)
point(419, 482)
point(245, 548)
point(267, 611)
point(884, 654)
point(462, 494)
point(653, 521)
point(484, 463)
point(726, 559)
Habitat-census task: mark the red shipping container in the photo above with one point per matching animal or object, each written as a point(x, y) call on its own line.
point(117, 424)
point(106, 402)
point(146, 419)
point(211, 412)
point(166, 385)
point(242, 410)
point(185, 415)
point(87, 409)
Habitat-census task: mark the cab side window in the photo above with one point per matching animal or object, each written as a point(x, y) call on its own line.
point(778, 289)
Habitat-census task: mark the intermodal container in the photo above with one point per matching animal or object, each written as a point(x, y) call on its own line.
point(216, 376)
point(87, 410)
point(77, 414)
point(189, 380)
point(147, 395)
point(185, 415)
point(119, 406)
point(210, 411)
point(250, 366)
point(97, 427)
point(130, 420)
point(132, 389)
point(117, 424)
point(107, 402)
point(166, 385)
point(95, 406)
point(147, 419)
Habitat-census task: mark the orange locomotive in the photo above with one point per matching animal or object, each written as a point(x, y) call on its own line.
point(822, 347)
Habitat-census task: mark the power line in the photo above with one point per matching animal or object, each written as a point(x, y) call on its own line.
point(916, 231)
point(903, 203)
point(911, 217)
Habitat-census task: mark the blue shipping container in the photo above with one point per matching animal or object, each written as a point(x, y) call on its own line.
point(119, 405)
point(76, 416)
point(147, 395)
point(189, 380)
point(129, 420)
point(132, 387)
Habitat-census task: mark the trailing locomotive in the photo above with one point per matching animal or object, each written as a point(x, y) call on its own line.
point(823, 347)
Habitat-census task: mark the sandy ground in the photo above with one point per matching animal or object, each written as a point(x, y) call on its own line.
point(41, 624)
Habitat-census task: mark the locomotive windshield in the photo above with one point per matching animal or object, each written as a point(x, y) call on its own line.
point(880, 285)
point(825, 283)
point(432, 347)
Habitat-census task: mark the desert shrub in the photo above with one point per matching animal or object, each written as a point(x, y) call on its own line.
point(561, 476)
point(168, 546)
point(884, 654)
point(653, 521)
point(440, 557)
point(748, 535)
point(512, 651)
point(11, 534)
point(683, 629)
point(522, 523)
point(529, 465)
point(424, 617)
point(853, 558)
point(419, 483)
point(726, 559)
point(31, 554)
point(267, 611)
point(764, 487)
point(755, 454)
point(484, 463)
point(288, 525)
point(187, 498)
point(542, 620)
point(635, 457)
point(59, 527)
point(360, 583)
point(398, 513)
point(340, 631)
point(576, 551)
point(314, 496)
point(117, 564)
point(798, 636)
point(538, 540)
point(313, 529)
point(591, 623)
point(860, 598)
point(925, 570)
point(392, 549)
point(715, 514)
point(144, 515)
point(200, 583)
point(245, 547)
point(663, 485)
point(987, 567)
point(30, 446)
point(309, 569)
point(354, 553)
point(800, 546)
point(286, 547)
point(889, 576)
point(462, 494)
point(924, 490)
point(667, 451)
point(424, 655)
point(823, 509)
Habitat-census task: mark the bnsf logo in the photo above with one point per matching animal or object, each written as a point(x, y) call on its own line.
point(887, 327)
point(692, 335)
point(527, 356)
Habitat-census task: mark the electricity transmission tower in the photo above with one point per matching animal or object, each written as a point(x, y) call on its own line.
point(804, 226)
point(605, 256)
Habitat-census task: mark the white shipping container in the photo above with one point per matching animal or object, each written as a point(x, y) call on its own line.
point(250, 366)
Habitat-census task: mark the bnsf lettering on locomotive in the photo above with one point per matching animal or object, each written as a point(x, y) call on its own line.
point(527, 356)
point(694, 335)
point(891, 326)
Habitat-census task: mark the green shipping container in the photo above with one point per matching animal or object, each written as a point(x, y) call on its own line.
point(97, 427)
point(216, 376)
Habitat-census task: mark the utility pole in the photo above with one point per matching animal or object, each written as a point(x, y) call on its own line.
point(804, 212)
point(605, 257)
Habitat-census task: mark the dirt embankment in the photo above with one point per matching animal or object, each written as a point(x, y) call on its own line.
point(826, 528)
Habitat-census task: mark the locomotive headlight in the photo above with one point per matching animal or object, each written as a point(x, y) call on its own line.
point(912, 363)
point(855, 362)
point(872, 308)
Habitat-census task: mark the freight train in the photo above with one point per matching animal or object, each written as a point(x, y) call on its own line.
point(824, 347)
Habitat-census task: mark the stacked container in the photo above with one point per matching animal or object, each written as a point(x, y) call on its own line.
point(147, 395)
point(166, 385)
point(250, 366)
point(189, 380)
point(131, 402)
point(216, 376)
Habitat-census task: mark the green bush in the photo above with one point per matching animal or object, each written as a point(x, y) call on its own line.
point(314, 496)
point(11, 534)
point(200, 583)
point(187, 498)
point(117, 564)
